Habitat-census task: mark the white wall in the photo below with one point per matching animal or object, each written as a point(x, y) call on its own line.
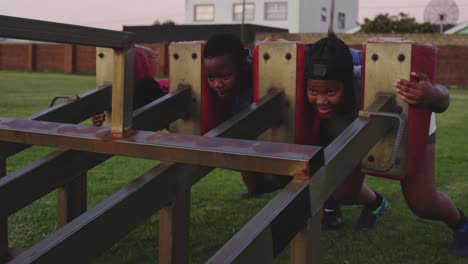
point(311, 15)
point(351, 9)
point(304, 16)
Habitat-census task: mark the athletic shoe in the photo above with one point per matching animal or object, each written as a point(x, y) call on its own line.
point(368, 217)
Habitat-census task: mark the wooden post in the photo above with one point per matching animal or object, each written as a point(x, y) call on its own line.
point(305, 246)
point(122, 92)
point(71, 200)
point(31, 57)
point(186, 68)
point(174, 231)
point(104, 66)
point(72, 197)
point(69, 58)
point(3, 218)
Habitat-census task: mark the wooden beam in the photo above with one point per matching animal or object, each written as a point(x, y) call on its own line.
point(96, 230)
point(35, 180)
point(289, 211)
point(89, 103)
point(267, 157)
point(30, 29)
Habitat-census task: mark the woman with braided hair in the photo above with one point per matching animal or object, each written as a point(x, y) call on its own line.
point(334, 94)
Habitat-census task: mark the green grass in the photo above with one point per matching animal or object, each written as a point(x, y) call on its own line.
point(217, 210)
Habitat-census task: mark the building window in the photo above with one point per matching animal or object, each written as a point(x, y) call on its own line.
point(324, 14)
point(276, 11)
point(341, 20)
point(249, 14)
point(203, 12)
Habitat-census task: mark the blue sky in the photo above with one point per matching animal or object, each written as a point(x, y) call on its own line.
point(112, 14)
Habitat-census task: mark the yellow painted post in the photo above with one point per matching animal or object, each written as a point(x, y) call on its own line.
point(278, 64)
point(174, 228)
point(104, 66)
point(382, 69)
point(122, 92)
point(278, 70)
point(185, 68)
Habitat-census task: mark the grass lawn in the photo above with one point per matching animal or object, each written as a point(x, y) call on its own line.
point(218, 212)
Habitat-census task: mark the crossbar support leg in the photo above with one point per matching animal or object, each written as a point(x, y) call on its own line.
point(174, 231)
point(3, 219)
point(305, 246)
point(3, 238)
point(71, 200)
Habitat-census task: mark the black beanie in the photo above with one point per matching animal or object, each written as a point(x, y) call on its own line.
point(329, 59)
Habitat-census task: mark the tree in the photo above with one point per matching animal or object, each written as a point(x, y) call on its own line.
point(165, 23)
point(401, 23)
point(168, 23)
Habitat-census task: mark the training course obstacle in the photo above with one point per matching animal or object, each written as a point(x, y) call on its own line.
point(200, 140)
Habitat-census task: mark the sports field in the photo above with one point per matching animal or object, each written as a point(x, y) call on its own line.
point(218, 212)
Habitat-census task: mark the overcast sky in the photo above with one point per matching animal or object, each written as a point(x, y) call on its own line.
point(112, 14)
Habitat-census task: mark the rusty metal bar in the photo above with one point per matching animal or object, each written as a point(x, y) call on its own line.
point(28, 184)
point(30, 29)
point(122, 92)
point(267, 157)
point(284, 216)
point(159, 185)
point(90, 103)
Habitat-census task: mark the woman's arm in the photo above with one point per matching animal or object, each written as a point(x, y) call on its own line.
point(423, 92)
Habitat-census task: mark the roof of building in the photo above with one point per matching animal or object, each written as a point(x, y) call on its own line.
point(456, 29)
point(170, 33)
point(353, 30)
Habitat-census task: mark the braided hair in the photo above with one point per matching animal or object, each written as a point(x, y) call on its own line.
point(330, 59)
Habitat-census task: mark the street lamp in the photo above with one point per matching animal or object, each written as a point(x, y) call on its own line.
point(332, 17)
point(242, 23)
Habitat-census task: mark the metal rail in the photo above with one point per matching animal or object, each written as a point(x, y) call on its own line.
point(90, 103)
point(92, 233)
point(22, 187)
point(267, 157)
point(266, 234)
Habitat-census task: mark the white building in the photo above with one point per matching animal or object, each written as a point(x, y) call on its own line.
point(299, 16)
